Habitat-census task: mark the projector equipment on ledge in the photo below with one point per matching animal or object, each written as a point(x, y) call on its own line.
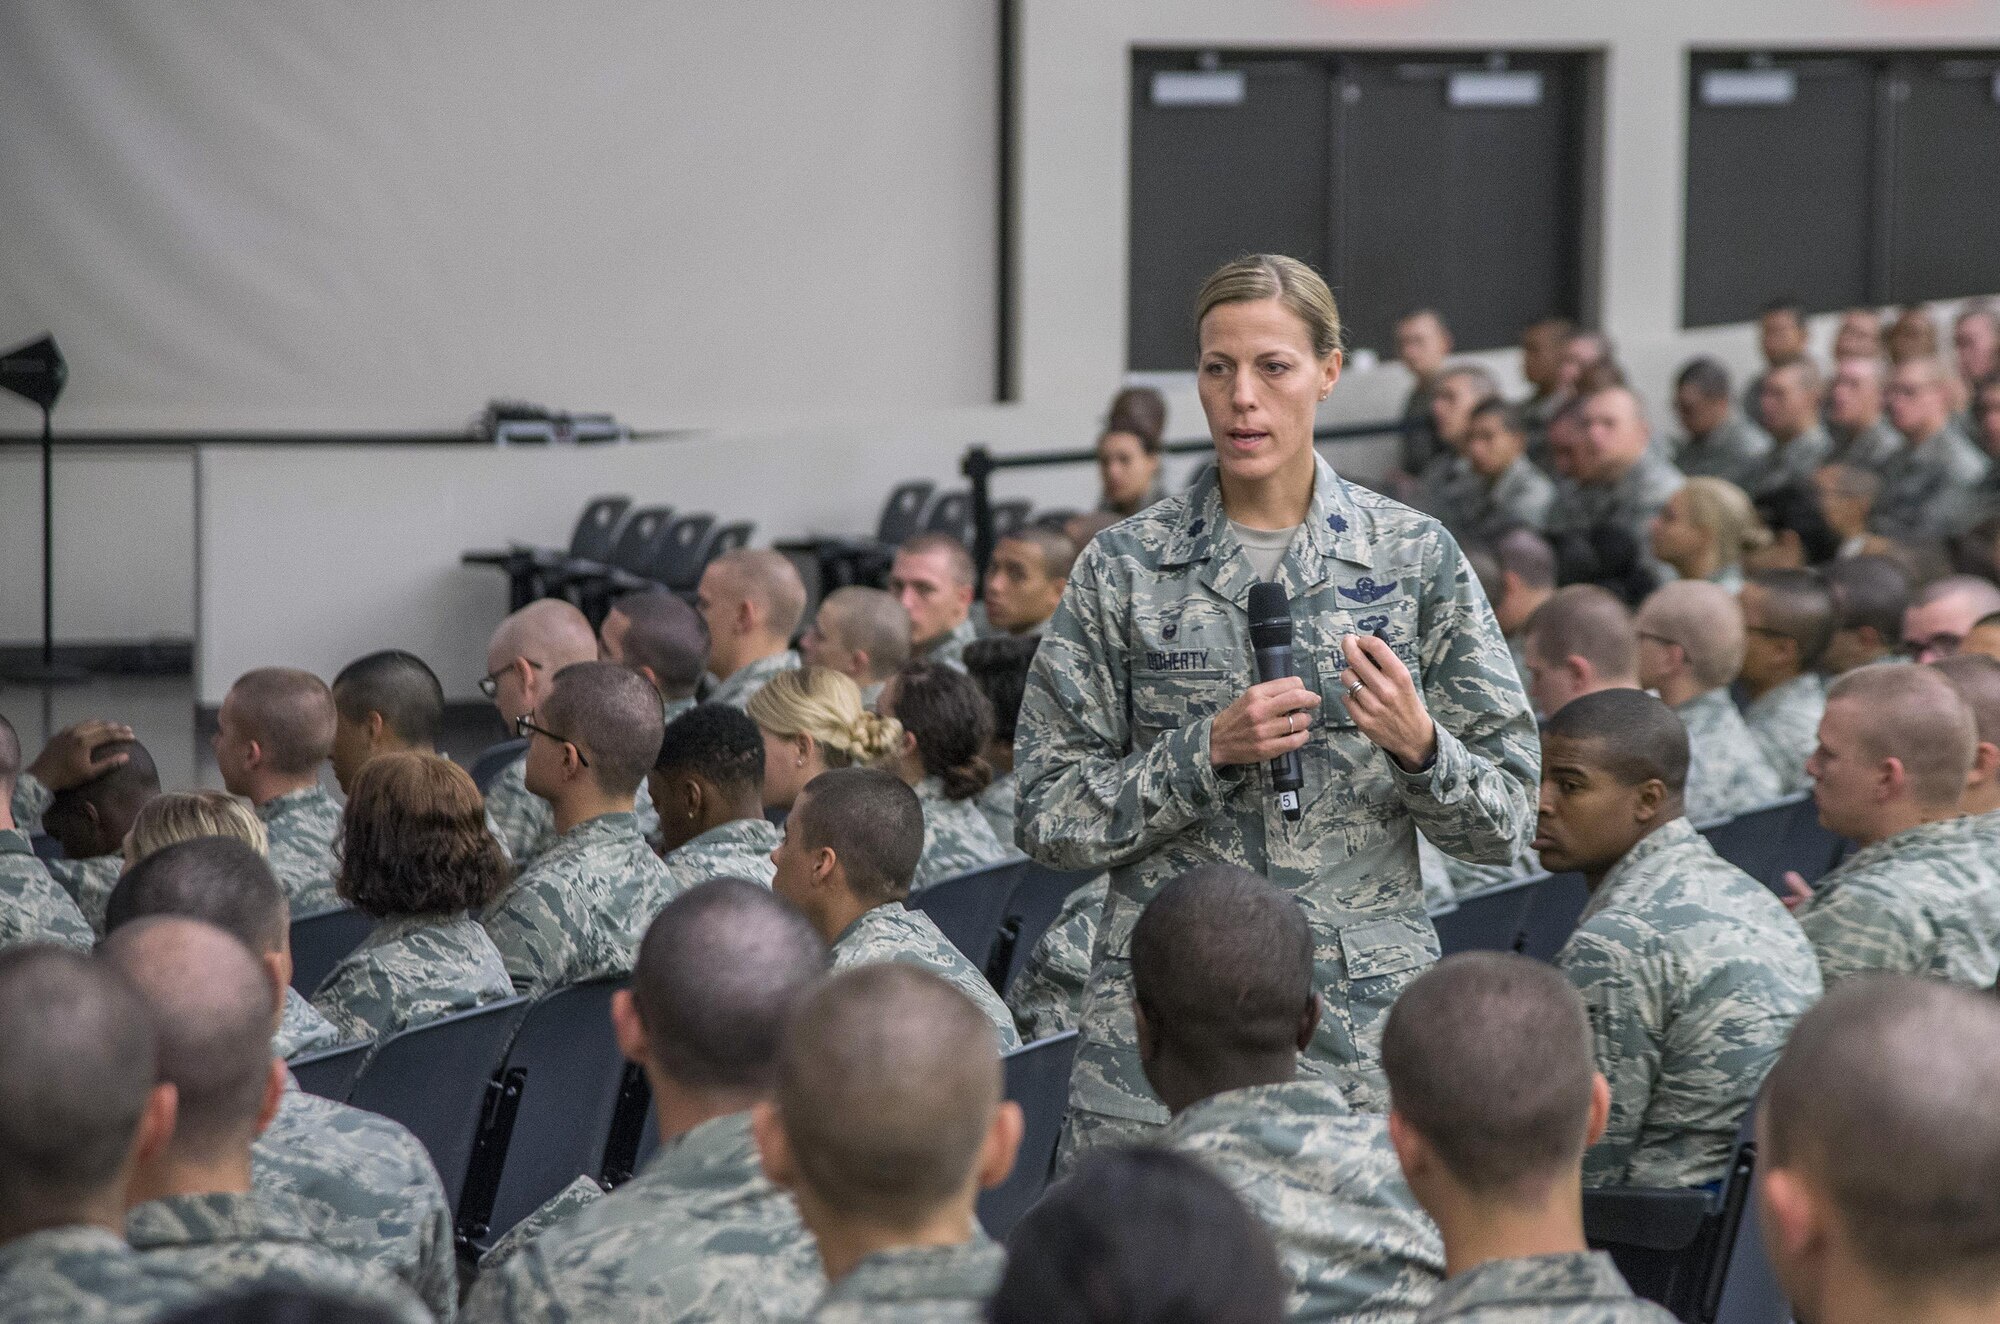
point(515, 423)
point(36, 372)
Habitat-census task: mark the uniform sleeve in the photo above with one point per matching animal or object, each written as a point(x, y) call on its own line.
point(514, 1291)
point(1608, 974)
point(31, 800)
point(355, 1001)
point(1855, 929)
point(535, 942)
point(1087, 801)
point(1476, 801)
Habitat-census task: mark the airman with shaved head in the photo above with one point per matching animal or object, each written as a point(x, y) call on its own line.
point(1691, 644)
point(1691, 969)
point(887, 1122)
point(1897, 746)
point(1619, 480)
point(863, 633)
point(1788, 400)
point(274, 731)
point(92, 819)
point(526, 652)
point(933, 577)
point(1581, 640)
point(1927, 484)
point(1788, 619)
point(752, 600)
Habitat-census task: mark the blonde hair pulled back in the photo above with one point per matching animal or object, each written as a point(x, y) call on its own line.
point(177, 816)
point(826, 705)
point(1723, 511)
point(1291, 282)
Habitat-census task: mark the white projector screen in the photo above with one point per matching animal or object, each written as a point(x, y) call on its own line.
point(318, 215)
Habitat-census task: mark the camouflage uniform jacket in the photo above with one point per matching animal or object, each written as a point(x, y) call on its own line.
point(1792, 463)
point(1693, 973)
point(1047, 996)
point(303, 1030)
point(892, 932)
point(1784, 721)
point(956, 837)
point(580, 909)
point(1928, 487)
point(1583, 1287)
point(32, 907)
point(1923, 902)
point(1736, 449)
point(1629, 503)
point(82, 1275)
point(88, 882)
point(996, 803)
point(368, 1189)
point(738, 849)
point(742, 684)
point(1353, 1241)
point(519, 820)
point(950, 648)
point(1481, 511)
point(917, 1285)
point(698, 1235)
point(1112, 753)
point(305, 846)
point(223, 1243)
point(1727, 770)
point(410, 970)
point(1866, 448)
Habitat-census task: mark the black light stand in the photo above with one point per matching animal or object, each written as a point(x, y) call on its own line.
point(36, 372)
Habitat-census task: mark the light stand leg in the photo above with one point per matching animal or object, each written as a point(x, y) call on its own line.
point(48, 673)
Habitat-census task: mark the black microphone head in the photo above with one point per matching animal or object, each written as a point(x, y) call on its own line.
point(1270, 616)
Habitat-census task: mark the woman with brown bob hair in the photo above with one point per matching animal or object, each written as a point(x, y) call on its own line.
point(416, 855)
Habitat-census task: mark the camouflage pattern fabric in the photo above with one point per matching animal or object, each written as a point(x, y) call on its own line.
point(1792, 463)
point(1481, 511)
point(31, 800)
point(519, 820)
point(1727, 770)
point(1923, 902)
point(950, 650)
point(739, 849)
point(89, 883)
point(996, 805)
point(1736, 450)
point(368, 1189)
point(697, 1236)
point(1867, 448)
point(1582, 1287)
point(957, 838)
point(410, 970)
point(1927, 488)
point(1693, 973)
point(32, 907)
point(580, 909)
point(571, 1200)
point(83, 1275)
point(1629, 503)
point(224, 1243)
point(302, 1029)
point(741, 685)
point(1151, 641)
point(304, 827)
point(1784, 721)
point(1047, 996)
point(1352, 1240)
point(917, 1285)
point(1447, 878)
point(892, 932)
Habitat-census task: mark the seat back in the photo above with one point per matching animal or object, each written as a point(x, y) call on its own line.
point(597, 528)
point(320, 939)
point(1782, 836)
point(437, 1080)
point(1810, 848)
point(639, 538)
point(1487, 921)
point(951, 512)
point(903, 512)
point(1748, 1291)
point(559, 1091)
point(1038, 898)
point(726, 539)
point(493, 760)
point(1552, 915)
point(330, 1074)
point(1010, 516)
point(1038, 1080)
point(679, 557)
point(970, 906)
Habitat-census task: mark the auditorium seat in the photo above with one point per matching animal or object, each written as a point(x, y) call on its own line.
point(1675, 1247)
point(951, 512)
point(969, 908)
point(438, 1079)
point(330, 1074)
point(1487, 921)
point(1038, 1080)
point(493, 760)
point(1036, 900)
point(682, 553)
point(1782, 836)
point(591, 582)
point(320, 939)
point(843, 561)
point(526, 567)
point(1010, 516)
point(559, 1090)
point(1552, 915)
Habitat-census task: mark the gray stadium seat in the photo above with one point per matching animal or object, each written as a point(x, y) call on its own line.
point(1782, 836)
point(1489, 920)
point(969, 908)
point(493, 760)
point(1038, 1080)
point(1037, 899)
point(1552, 915)
point(528, 568)
point(320, 939)
point(330, 1073)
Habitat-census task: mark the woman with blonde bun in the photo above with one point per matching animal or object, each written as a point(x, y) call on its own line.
point(178, 816)
point(813, 719)
point(1706, 529)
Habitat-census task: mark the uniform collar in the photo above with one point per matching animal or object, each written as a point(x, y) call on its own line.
point(1545, 1281)
point(887, 912)
point(737, 831)
point(966, 1272)
point(1332, 530)
point(1664, 838)
point(217, 1217)
point(13, 841)
point(279, 804)
point(1219, 1111)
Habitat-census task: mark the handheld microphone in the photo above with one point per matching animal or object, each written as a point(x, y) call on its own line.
point(1271, 638)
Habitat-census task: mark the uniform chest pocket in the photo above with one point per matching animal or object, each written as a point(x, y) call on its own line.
point(1168, 700)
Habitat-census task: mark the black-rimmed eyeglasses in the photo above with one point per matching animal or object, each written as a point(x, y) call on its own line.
point(524, 726)
point(489, 684)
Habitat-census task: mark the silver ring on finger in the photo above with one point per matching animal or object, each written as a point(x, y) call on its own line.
point(1356, 688)
point(1290, 728)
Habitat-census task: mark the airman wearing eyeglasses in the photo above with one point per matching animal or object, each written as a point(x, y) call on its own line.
point(526, 652)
